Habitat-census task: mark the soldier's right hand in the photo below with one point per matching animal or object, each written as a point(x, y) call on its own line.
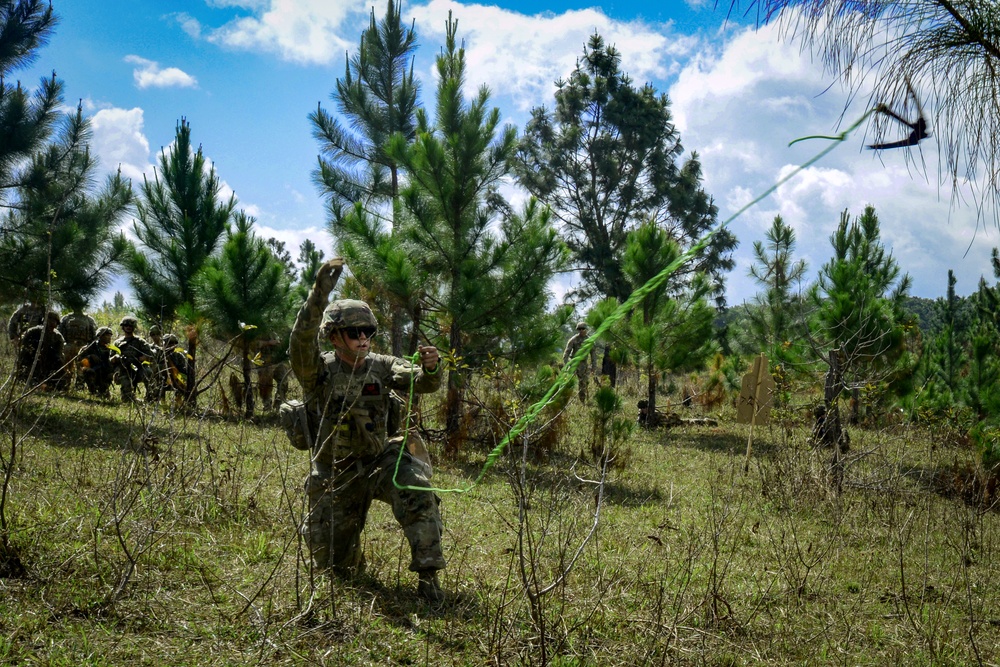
point(329, 273)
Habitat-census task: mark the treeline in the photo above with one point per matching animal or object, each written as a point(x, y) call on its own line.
point(414, 182)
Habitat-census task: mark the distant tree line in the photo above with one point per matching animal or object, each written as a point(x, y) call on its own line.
point(417, 205)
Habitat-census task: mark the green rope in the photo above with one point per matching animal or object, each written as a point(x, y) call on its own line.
point(565, 376)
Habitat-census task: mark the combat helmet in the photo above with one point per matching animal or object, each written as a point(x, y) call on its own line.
point(581, 325)
point(347, 313)
point(129, 319)
point(154, 330)
point(104, 330)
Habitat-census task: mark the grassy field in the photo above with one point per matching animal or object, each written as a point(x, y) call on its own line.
point(145, 537)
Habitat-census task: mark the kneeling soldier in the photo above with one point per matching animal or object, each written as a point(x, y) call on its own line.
point(347, 404)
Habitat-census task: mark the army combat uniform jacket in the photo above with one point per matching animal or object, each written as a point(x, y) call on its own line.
point(25, 317)
point(348, 408)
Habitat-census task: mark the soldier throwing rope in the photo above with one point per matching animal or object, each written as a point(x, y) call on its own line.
point(347, 399)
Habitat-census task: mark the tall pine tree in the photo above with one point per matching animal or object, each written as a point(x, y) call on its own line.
point(181, 222)
point(378, 98)
point(484, 269)
point(243, 292)
point(606, 159)
point(776, 317)
point(61, 228)
point(26, 119)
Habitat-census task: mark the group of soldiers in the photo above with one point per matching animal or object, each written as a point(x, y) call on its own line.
point(54, 352)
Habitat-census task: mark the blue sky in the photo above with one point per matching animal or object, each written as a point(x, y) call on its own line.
point(245, 74)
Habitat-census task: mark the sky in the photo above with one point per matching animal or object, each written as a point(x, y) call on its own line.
point(246, 73)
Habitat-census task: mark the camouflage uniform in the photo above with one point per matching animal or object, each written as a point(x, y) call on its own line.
point(28, 315)
point(133, 350)
point(353, 460)
point(175, 362)
point(272, 376)
point(40, 357)
point(583, 371)
point(97, 365)
point(79, 330)
point(156, 378)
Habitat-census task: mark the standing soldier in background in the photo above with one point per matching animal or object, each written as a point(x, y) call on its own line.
point(97, 364)
point(347, 396)
point(30, 314)
point(156, 380)
point(78, 330)
point(40, 357)
point(272, 374)
point(584, 370)
point(134, 351)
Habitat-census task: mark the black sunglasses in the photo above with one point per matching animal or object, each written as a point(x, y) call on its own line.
point(355, 332)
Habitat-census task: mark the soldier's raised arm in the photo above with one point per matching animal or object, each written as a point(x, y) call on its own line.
point(303, 348)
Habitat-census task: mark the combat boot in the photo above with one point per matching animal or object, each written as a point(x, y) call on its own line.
point(428, 586)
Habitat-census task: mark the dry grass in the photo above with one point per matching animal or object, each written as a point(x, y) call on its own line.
point(157, 538)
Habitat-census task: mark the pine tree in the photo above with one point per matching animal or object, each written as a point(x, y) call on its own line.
point(378, 98)
point(26, 120)
point(859, 323)
point(484, 269)
point(775, 319)
point(606, 160)
point(243, 292)
point(671, 332)
point(983, 384)
point(61, 228)
point(181, 221)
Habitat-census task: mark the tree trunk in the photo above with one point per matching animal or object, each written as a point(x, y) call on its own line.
point(190, 395)
point(453, 405)
point(609, 367)
point(828, 429)
point(396, 315)
point(247, 380)
point(651, 395)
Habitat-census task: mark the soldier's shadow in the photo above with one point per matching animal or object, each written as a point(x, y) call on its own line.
point(400, 604)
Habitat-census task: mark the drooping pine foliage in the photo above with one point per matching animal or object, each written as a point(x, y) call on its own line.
point(60, 232)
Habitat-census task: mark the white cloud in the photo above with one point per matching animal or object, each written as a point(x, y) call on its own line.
point(523, 55)
point(149, 74)
point(302, 31)
point(740, 104)
point(293, 238)
point(189, 24)
point(118, 140)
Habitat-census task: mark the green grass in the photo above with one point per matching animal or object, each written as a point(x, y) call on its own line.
point(152, 539)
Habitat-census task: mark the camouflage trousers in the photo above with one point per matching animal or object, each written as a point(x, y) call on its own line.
point(129, 378)
point(71, 363)
point(271, 377)
point(340, 497)
point(583, 382)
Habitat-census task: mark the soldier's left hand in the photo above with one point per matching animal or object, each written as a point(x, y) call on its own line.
point(429, 357)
